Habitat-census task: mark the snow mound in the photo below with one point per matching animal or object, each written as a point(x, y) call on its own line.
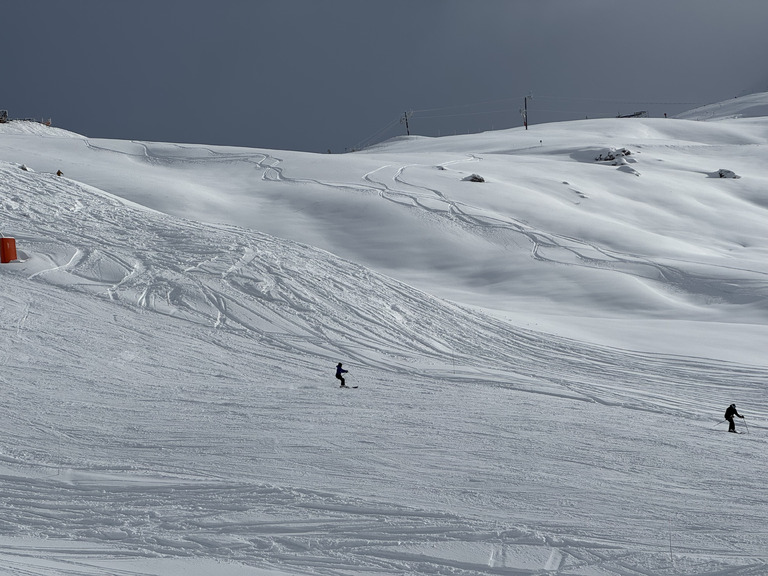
point(723, 173)
point(29, 127)
point(615, 157)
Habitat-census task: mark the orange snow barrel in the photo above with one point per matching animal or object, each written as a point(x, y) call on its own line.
point(7, 250)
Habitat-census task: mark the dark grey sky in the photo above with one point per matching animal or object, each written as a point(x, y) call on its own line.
point(332, 74)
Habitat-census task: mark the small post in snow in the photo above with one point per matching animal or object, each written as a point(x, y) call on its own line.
point(671, 557)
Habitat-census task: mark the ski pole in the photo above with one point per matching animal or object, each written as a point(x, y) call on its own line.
point(718, 424)
point(745, 424)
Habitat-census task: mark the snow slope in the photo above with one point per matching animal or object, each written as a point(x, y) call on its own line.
point(543, 358)
point(749, 106)
point(551, 236)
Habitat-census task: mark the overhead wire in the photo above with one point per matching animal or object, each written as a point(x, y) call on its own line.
point(464, 114)
point(616, 100)
point(366, 141)
point(515, 98)
point(424, 113)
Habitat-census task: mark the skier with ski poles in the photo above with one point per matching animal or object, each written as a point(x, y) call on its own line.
point(730, 412)
point(339, 372)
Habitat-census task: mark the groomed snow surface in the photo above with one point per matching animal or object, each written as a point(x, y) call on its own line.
point(543, 358)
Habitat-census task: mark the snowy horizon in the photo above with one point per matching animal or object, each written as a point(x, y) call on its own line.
point(543, 357)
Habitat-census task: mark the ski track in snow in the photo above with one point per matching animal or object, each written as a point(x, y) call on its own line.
point(504, 231)
point(545, 246)
point(269, 289)
point(160, 463)
point(549, 247)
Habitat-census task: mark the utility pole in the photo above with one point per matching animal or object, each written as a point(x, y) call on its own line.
point(524, 111)
point(404, 120)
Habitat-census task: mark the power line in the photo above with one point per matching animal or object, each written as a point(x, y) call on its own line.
point(564, 98)
point(366, 141)
point(465, 110)
point(617, 101)
point(515, 98)
point(464, 114)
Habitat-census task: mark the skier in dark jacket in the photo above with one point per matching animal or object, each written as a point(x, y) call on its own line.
point(730, 412)
point(339, 372)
